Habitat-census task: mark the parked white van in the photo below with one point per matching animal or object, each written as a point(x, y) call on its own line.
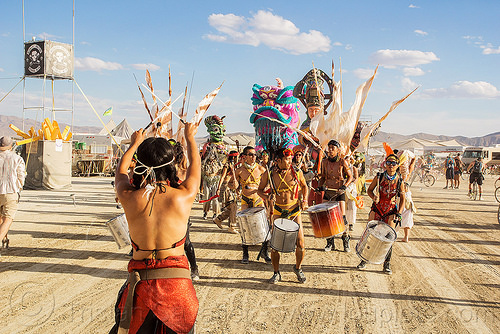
point(490, 155)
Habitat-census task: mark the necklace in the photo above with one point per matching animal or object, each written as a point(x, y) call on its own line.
point(389, 177)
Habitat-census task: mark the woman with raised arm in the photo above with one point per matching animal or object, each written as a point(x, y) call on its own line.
point(157, 208)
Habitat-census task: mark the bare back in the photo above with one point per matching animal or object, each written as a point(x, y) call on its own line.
point(158, 218)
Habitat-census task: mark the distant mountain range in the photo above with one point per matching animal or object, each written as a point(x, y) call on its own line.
point(487, 140)
point(5, 121)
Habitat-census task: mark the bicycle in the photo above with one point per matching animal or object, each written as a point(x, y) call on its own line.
point(497, 183)
point(424, 177)
point(497, 194)
point(474, 193)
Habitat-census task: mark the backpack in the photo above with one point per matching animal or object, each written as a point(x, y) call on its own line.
point(477, 167)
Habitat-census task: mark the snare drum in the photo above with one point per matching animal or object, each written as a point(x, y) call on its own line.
point(284, 236)
point(253, 225)
point(119, 230)
point(375, 242)
point(326, 219)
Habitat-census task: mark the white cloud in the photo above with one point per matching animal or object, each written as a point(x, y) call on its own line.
point(151, 67)
point(420, 32)
point(409, 58)
point(413, 71)
point(491, 51)
point(1, 69)
point(337, 44)
point(464, 89)
point(96, 64)
point(413, 6)
point(472, 38)
point(363, 73)
point(46, 36)
point(488, 48)
point(85, 43)
point(408, 85)
point(268, 29)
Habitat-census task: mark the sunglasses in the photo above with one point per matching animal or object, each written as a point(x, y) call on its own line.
point(287, 153)
point(172, 142)
point(391, 163)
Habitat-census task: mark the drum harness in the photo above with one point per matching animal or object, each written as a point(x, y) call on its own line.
point(285, 213)
point(275, 190)
point(380, 176)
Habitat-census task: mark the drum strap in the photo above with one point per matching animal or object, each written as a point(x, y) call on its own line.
point(140, 275)
point(284, 213)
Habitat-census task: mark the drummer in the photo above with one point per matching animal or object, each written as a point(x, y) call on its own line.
point(289, 189)
point(386, 205)
point(335, 177)
point(248, 175)
point(228, 196)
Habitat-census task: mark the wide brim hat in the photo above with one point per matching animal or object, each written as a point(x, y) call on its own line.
point(5, 143)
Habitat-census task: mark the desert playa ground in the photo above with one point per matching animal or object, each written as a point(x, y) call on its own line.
point(63, 271)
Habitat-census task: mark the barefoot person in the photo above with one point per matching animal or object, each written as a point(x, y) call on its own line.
point(407, 160)
point(11, 182)
point(389, 202)
point(248, 176)
point(157, 208)
point(334, 178)
point(288, 183)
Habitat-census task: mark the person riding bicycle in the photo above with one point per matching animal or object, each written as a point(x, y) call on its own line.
point(476, 174)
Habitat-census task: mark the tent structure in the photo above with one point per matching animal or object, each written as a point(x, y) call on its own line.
point(110, 126)
point(123, 130)
point(419, 146)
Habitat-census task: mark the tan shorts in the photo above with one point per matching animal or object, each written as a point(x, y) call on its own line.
point(8, 205)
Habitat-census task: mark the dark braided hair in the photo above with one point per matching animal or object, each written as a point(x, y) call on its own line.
point(156, 152)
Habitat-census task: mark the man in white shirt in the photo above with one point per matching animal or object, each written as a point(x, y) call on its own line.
point(12, 175)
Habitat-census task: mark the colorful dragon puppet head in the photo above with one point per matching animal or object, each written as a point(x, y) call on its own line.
point(271, 102)
point(309, 91)
point(215, 128)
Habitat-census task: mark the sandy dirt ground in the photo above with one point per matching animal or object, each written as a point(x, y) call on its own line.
point(63, 271)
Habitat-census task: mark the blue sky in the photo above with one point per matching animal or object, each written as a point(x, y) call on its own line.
point(451, 49)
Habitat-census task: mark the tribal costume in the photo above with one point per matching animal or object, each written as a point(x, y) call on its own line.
point(388, 193)
point(251, 202)
point(163, 305)
point(213, 159)
point(406, 157)
point(310, 92)
point(288, 211)
point(228, 196)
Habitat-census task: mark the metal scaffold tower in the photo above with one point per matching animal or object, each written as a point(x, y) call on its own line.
point(49, 61)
